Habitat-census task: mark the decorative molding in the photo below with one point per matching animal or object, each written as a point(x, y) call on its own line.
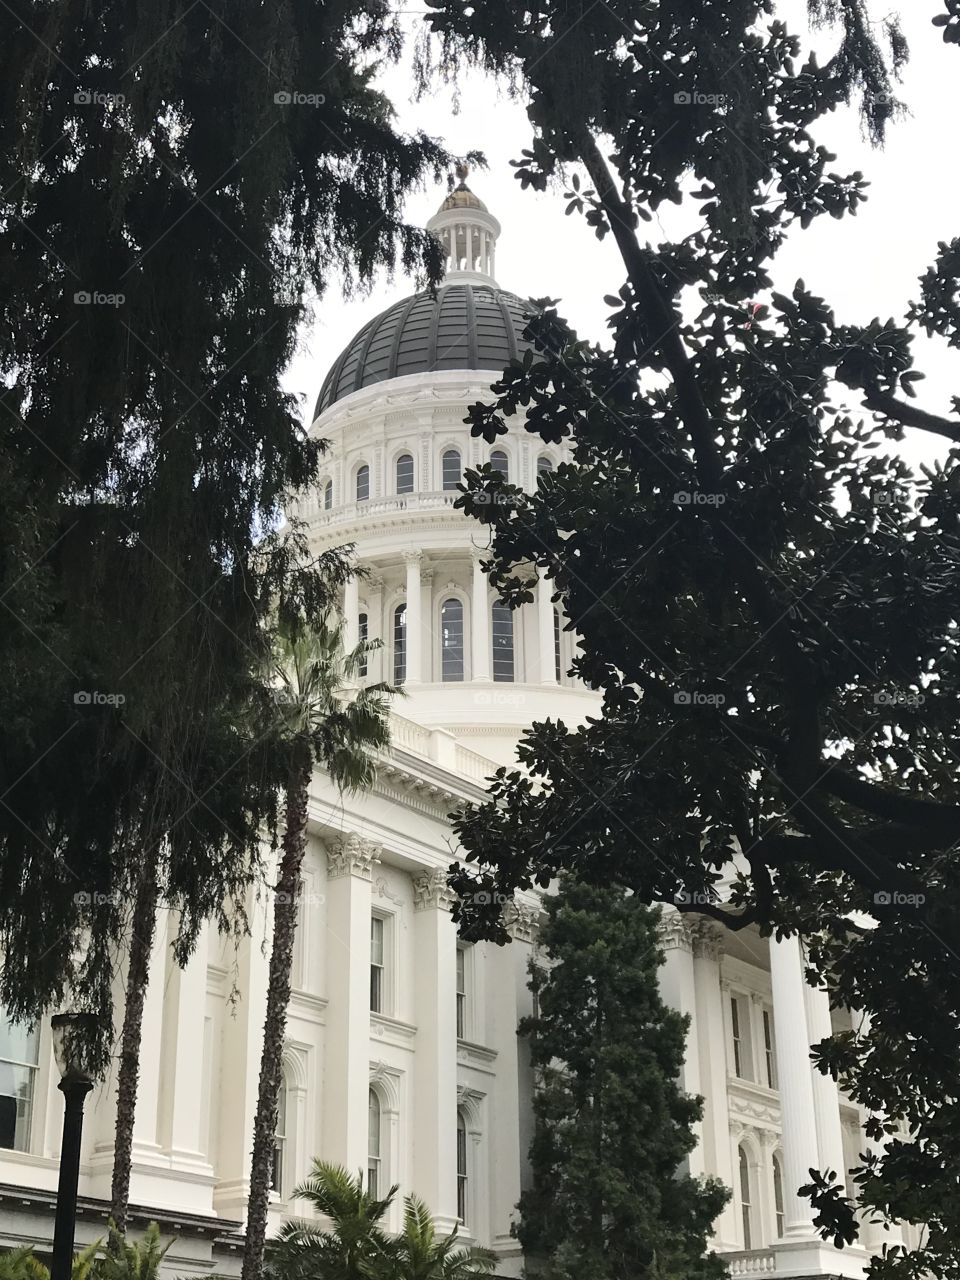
point(708, 938)
point(431, 891)
point(522, 921)
point(392, 1030)
point(383, 891)
point(412, 555)
point(674, 932)
point(352, 856)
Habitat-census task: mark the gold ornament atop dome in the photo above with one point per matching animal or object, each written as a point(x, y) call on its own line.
point(460, 196)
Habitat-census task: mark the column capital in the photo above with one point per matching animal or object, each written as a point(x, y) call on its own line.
point(350, 855)
point(413, 555)
point(522, 921)
point(673, 931)
point(708, 938)
point(431, 892)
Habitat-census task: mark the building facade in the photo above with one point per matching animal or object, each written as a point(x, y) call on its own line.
point(402, 1057)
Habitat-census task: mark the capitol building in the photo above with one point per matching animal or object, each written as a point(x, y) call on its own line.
point(402, 1056)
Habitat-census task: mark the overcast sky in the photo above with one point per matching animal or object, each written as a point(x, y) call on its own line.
point(865, 266)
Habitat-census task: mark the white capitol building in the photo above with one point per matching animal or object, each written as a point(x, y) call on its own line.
point(401, 1053)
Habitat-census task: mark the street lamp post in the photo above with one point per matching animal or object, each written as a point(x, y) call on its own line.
point(72, 1033)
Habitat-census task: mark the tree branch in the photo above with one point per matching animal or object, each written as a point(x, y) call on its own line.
point(909, 415)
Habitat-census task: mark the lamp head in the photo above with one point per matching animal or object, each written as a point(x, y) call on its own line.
point(74, 1035)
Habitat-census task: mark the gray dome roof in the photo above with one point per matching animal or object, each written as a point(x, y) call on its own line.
point(462, 326)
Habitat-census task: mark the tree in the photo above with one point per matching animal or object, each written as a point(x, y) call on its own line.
point(317, 721)
point(356, 1247)
point(610, 1199)
point(766, 595)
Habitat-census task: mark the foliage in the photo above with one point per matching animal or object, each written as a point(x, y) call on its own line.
point(609, 1197)
point(121, 1260)
point(766, 596)
point(356, 1246)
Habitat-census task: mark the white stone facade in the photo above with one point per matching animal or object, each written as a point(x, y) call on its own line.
point(401, 1058)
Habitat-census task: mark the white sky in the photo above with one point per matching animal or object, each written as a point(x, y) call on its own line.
point(864, 266)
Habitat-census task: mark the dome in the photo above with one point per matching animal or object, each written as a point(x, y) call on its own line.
point(461, 326)
point(461, 197)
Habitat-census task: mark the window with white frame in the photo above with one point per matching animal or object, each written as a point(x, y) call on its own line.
point(400, 644)
point(502, 639)
point(19, 1049)
point(769, 1050)
point(374, 1143)
point(462, 1178)
point(500, 462)
point(377, 966)
point(363, 627)
point(461, 993)
point(778, 1194)
point(451, 469)
point(363, 483)
point(746, 1200)
point(557, 662)
point(740, 1033)
point(405, 473)
point(451, 639)
point(279, 1140)
point(328, 495)
point(544, 465)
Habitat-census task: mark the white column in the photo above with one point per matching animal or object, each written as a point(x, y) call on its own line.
point(677, 989)
point(826, 1097)
point(480, 657)
point(346, 1081)
point(427, 637)
point(376, 628)
point(351, 613)
point(414, 616)
point(707, 948)
point(794, 1072)
point(435, 1084)
point(469, 247)
point(548, 663)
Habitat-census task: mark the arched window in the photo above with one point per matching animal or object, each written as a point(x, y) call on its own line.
point(451, 640)
point(19, 1046)
point(461, 1167)
point(502, 634)
point(400, 644)
point(362, 627)
point(373, 1144)
point(778, 1194)
point(557, 664)
point(451, 469)
point(746, 1208)
point(544, 464)
point(279, 1140)
point(363, 483)
point(405, 473)
point(499, 462)
point(328, 495)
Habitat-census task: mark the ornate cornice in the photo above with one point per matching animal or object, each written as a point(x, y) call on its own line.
point(352, 856)
point(431, 891)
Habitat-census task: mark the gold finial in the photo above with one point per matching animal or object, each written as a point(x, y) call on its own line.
point(461, 171)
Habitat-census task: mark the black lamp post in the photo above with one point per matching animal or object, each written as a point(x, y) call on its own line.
point(72, 1033)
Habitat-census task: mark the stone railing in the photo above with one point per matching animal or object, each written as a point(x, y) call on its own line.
point(409, 736)
point(310, 507)
point(473, 765)
point(439, 746)
point(751, 1262)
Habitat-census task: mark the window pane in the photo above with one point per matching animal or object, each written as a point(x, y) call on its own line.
point(543, 464)
point(400, 644)
point(376, 940)
point(405, 473)
point(557, 664)
point(745, 1199)
point(451, 640)
point(498, 460)
point(362, 633)
point(451, 469)
point(363, 484)
point(373, 1137)
point(328, 495)
point(502, 631)
point(461, 1168)
point(18, 1057)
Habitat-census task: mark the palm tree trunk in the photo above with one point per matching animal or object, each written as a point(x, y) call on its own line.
point(128, 1076)
point(275, 1022)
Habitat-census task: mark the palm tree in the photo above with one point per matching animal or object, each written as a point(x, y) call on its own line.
point(355, 1247)
point(317, 720)
point(420, 1254)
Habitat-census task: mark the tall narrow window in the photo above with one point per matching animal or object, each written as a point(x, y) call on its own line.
point(376, 964)
point(451, 469)
point(362, 629)
point(557, 664)
point(769, 1053)
point(373, 1144)
point(363, 483)
point(461, 1167)
point(502, 635)
point(400, 644)
point(18, 1071)
point(745, 1206)
point(279, 1141)
point(461, 993)
point(740, 1027)
point(778, 1195)
point(328, 495)
point(451, 640)
point(405, 473)
point(544, 464)
point(499, 462)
